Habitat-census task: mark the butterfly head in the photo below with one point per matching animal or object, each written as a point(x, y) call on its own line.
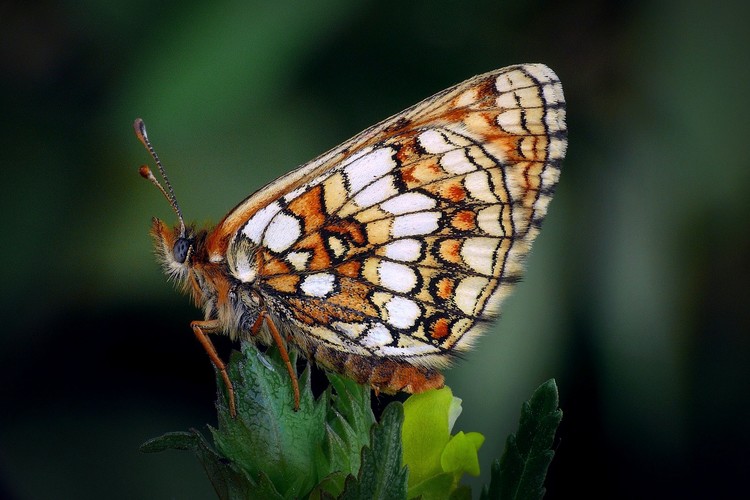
point(174, 248)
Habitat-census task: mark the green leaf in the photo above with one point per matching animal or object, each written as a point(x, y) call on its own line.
point(381, 474)
point(268, 436)
point(520, 473)
point(426, 432)
point(436, 460)
point(171, 441)
point(434, 488)
point(332, 447)
point(460, 454)
point(463, 492)
point(271, 451)
point(330, 487)
point(492, 490)
point(228, 480)
point(348, 424)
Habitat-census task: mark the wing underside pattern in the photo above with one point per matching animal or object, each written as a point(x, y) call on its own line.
point(402, 242)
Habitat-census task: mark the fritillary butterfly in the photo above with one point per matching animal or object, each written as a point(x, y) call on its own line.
point(385, 257)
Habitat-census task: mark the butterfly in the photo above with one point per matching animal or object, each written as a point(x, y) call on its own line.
point(386, 257)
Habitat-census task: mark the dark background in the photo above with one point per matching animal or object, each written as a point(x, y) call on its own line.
point(636, 298)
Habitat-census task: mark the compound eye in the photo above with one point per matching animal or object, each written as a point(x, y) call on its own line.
point(180, 250)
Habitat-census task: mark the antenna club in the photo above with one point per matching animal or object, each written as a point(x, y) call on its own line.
point(139, 127)
point(145, 172)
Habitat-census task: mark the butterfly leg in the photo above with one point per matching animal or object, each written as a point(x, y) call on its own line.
point(264, 317)
point(201, 329)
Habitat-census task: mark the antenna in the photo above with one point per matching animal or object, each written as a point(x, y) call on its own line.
point(140, 132)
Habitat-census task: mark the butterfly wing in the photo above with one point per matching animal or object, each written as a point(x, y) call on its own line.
point(403, 241)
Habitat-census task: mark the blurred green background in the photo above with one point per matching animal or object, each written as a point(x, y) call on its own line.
point(636, 298)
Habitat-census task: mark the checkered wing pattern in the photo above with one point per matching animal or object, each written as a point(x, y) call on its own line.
point(403, 241)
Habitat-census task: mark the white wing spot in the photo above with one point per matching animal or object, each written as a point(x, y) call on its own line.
point(478, 185)
point(540, 72)
point(258, 222)
point(406, 250)
point(510, 121)
point(552, 94)
point(356, 156)
point(282, 232)
point(337, 246)
point(557, 147)
point(376, 192)
point(377, 336)
point(368, 168)
point(456, 162)
point(352, 330)
point(415, 349)
point(402, 312)
point(524, 97)
point(467, 293)
point(408, 202)
point(397, 277)
point(479, 254)
point(318, 285)
point(299, 260)
point(433, 142)
point(488, 220)
point(415, 224)
point(467, 98)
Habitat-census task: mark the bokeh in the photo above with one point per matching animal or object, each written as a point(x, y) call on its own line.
point(636, 297)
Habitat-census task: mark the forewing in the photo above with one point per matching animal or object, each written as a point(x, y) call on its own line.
point(402, 241)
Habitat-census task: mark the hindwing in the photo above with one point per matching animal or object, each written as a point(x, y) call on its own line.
point(402, 241)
